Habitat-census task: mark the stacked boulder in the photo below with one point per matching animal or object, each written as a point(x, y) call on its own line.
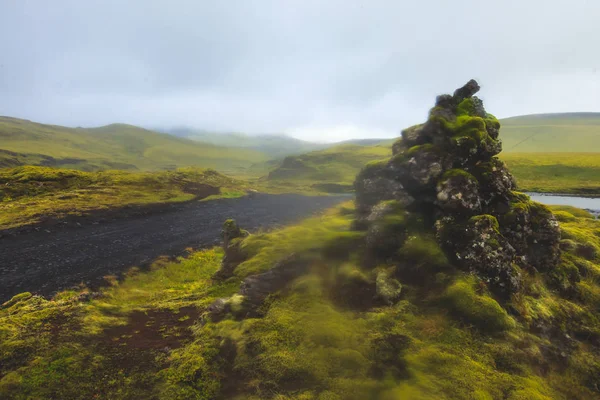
point(446, 172)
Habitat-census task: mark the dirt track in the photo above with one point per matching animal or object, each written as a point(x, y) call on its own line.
point(61, 256)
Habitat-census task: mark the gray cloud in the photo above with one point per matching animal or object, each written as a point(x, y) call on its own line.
point(317, 69)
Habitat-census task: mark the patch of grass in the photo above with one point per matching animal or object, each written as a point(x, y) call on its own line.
point(264, 250)
point(478, 309)
point(33, 194)
point(577, 173)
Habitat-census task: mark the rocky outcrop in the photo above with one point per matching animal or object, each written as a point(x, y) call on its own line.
point(446, 170)
point(232, 237)
point(256, 288)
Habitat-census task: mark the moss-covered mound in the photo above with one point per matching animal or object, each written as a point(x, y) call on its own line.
point(446, 170)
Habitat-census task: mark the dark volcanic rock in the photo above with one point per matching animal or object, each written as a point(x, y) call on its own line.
point(479, 247)
point(256, 288)
point(466, 91)
point(448, 169)
point(375, 184)
point(232, 237)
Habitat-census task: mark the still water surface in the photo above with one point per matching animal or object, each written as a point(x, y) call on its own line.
point(587, 203)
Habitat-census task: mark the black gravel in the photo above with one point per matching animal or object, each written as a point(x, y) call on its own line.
point(61, 256)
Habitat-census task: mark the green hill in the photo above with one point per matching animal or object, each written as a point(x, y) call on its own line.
point(332, 169)
point(274, 145)
point(116, 146)
point(545, 152)
point(566, 132)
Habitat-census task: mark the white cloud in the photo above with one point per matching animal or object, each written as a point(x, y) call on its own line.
point(312, 68)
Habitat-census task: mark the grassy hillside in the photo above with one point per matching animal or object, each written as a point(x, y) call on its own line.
point(32, 194)
point(556, 172)
point(569, 132)
point(116, 146)
point(335, 168)
point(445, 338)
point(274, 146)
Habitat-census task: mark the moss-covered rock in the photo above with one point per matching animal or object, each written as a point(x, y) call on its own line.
point(533, 231)
point(495, 181)
point(412, 136)
point(386, 229)
point(458, 192)
point(478, 309)
point(419, 167)
point(375, 184)
point(447, 166)
point(478, 246)
point(232, 236)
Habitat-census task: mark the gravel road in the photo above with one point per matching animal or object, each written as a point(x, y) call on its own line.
point(59, 257)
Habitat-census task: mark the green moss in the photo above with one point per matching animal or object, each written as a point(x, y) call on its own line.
point(387, 288)
point(16, 299)
point(465, 107)
point(564, 216)
point(456, 172)
point(30, 194)
point(422, 254)
point(480, 310)
point(488, 220)
point(574, 211)
point(421, 148)
point(265, 250)
point(343, 245)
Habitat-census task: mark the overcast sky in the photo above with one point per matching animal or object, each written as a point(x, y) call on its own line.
point(315, 69)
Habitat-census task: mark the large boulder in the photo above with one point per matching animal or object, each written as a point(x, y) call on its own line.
point(375, 184)
point(477, 246)
point(533, 231)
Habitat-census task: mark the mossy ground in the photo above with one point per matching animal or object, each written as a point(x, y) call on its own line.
point(142, 338)
point(32, 194)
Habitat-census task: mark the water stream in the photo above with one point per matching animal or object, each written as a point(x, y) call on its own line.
point(587, 203)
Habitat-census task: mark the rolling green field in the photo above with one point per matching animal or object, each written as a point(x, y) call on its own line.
point(116, 146)
point(567, 132)
point(577, 173)
point(33, 194)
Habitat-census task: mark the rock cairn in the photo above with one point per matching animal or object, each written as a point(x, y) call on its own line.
point(445, 171)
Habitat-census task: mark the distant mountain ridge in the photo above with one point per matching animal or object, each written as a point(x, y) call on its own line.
point(115, 146)
point(123, 146)
point(275, 145)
